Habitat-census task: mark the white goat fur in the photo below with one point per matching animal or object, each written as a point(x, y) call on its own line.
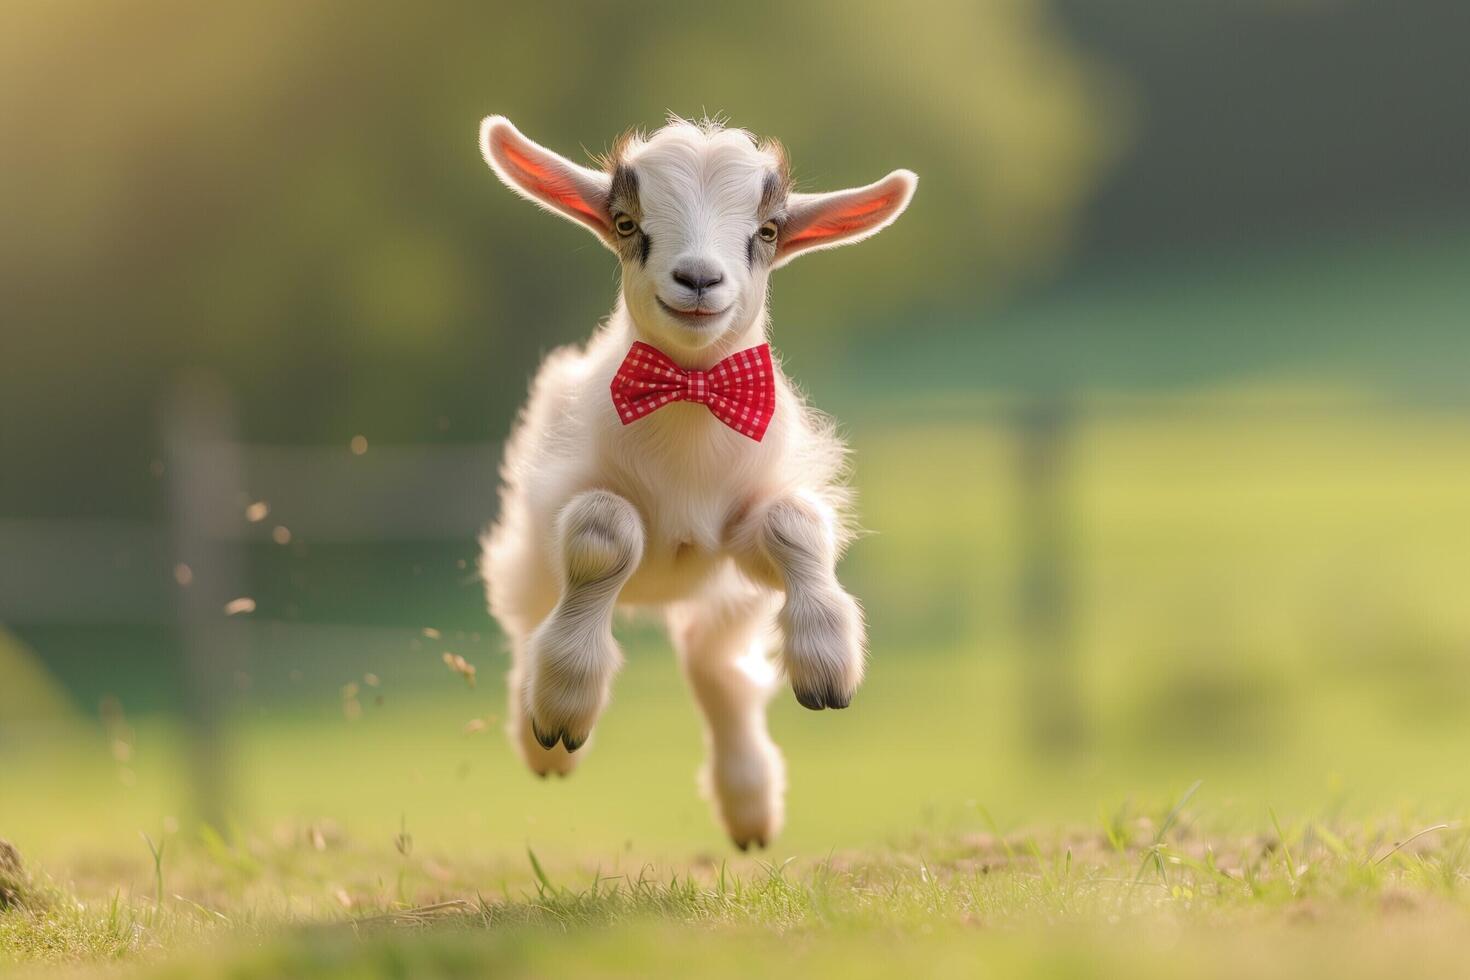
point(677, 510)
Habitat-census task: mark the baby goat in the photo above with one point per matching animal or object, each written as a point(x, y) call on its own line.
point(669, 463)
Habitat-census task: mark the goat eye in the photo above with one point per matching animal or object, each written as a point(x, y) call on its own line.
point(625, 225)
point(768, 231)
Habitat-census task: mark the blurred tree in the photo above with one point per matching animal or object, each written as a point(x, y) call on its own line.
point(1261, 119)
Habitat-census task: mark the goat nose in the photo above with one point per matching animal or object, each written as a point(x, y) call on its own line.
point(697, 276)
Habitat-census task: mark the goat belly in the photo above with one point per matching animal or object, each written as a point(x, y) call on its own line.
point(669, 572)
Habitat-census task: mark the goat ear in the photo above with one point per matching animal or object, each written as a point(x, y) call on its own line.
point(816, 221)
point(545, 177)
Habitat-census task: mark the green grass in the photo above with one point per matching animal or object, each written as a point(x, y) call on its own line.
point(1144, 892)
point(1269, 599)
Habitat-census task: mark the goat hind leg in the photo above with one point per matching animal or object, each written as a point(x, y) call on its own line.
point(721, 648)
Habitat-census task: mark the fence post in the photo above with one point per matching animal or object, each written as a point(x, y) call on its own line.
point(1045, 431)
point(205, 480)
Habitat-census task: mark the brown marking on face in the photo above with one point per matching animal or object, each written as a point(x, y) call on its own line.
point(610, 160)
point(774, 194)
point(622, 197)
point(778, 183)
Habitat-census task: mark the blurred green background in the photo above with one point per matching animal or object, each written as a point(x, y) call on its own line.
point(1160, 398)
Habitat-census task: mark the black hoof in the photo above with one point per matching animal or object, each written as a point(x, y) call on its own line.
point(547, 741)
point(809, 699)
point(572, 744)
point(744, 845)
point(818, 698)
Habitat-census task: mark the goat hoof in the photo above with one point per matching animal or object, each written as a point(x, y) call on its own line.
point(572, 744)
point(818, 698)
point(809, 699)
point(547, 741)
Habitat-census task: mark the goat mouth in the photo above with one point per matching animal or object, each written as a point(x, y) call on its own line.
point(694, 316)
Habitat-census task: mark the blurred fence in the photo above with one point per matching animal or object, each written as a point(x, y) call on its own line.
point(191, 575)
point(111, 571)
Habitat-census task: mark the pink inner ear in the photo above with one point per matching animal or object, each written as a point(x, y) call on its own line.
point(845, 219)
point(545, 181)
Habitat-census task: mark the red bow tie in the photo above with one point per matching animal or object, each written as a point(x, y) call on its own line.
point(740, 391)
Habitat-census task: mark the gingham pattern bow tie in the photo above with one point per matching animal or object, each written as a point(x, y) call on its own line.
point(740, 391)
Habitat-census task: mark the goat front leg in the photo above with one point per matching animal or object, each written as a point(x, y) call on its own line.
point(791, 544)
point(571, 656)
